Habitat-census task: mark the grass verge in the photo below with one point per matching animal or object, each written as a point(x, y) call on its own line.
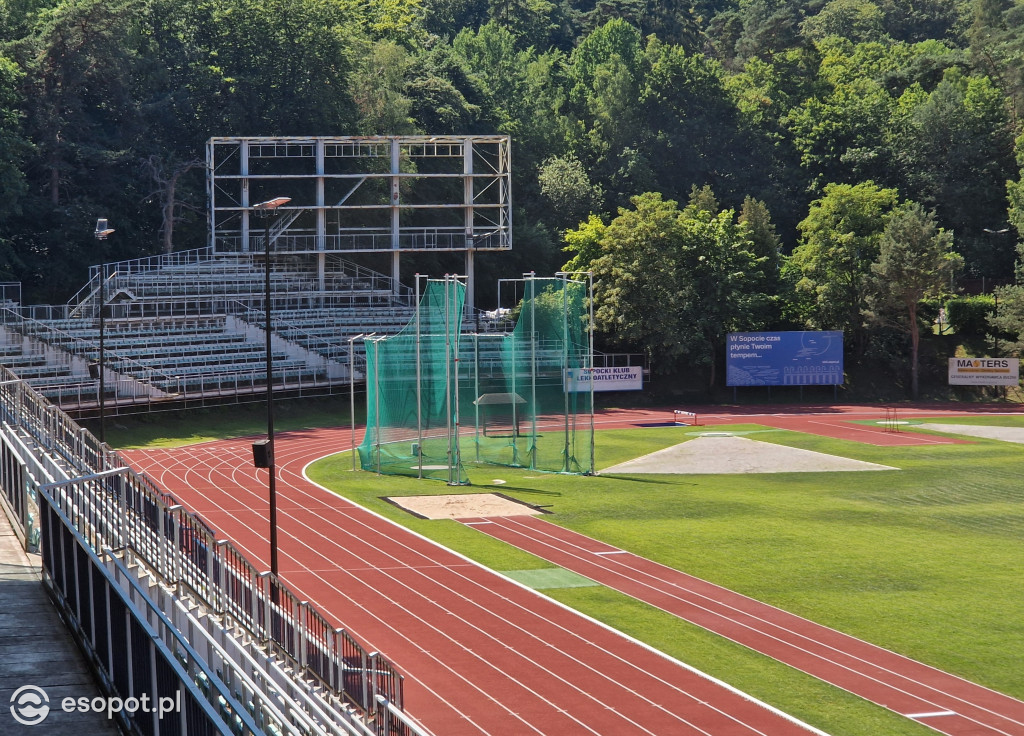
point(924, 560)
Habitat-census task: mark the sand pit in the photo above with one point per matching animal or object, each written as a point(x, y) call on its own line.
point(463, 506)
point(1006, 434)
point(708, 455)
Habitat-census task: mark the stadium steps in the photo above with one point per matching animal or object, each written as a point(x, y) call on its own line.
point(39, 650)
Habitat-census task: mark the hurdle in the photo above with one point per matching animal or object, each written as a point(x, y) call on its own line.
point(680, 417)
point(892, 419)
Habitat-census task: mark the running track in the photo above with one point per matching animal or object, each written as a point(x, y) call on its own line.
point(481, 655)
point(946, 703)
point(484, 656)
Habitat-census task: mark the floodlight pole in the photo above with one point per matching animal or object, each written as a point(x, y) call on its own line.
point(265, 209)
point(101, 233)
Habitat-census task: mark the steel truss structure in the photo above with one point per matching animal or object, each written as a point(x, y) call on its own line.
point(357, 194)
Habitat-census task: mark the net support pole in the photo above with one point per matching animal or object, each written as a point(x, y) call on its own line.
point(376, 398)
point(448, 375)
point(456, 284)
point(588, 359)
point(476, 393)
point(565, 368)
point(515, 405)
point(352, 393)
point(590, 366)
point(419, 387)
point(533, 370)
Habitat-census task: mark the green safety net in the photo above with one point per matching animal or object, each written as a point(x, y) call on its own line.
point(527, 395)
point(412, 404)
point(437, 399)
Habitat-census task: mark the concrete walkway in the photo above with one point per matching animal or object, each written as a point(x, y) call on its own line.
point(37, 649)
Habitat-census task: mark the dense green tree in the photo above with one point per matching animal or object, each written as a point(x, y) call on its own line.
point(756, 29)
point(953, 150)
point(1008, 320)
point(13, 146)
point(915, 261)
point(585, 244)
point(920, 20)
point(378, 90)
point(273, 67)
point(567, 187)
point(446, 18)
point(444, 96)
point(1015, 195)
point(854, 20)
point(675, 282)
point(539, 23)
point(840, 239)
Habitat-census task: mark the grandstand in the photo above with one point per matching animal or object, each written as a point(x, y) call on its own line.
point(189, 327)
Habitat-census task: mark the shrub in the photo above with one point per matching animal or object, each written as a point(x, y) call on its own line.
point(968, 315)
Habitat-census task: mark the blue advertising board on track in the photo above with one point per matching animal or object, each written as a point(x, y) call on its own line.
point(784, 358)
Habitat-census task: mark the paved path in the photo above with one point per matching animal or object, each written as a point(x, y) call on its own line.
point(36, 649)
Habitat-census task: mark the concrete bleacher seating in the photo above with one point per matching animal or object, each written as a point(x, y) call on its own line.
point(193, 322)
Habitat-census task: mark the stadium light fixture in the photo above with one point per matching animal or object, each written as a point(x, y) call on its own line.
point(263, 451)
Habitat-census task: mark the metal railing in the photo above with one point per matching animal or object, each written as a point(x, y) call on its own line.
point(110, 507)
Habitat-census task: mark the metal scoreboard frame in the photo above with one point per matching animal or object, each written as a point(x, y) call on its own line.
point(362, 194)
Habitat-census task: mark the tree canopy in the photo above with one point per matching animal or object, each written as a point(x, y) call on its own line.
point(812, 123)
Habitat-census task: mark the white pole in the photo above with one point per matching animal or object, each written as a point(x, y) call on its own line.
point(565, 367)
point(376, 395)
point(419, 387)
point(455, 384)
point(590, 368)
point(533, 369)
point(448, 374)
point(476, 393)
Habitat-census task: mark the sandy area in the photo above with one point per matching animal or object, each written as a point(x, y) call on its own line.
point(463, 506)
point(1007, 434)
point(705, 455)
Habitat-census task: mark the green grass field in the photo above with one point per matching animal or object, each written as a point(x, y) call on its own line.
point(925, 560)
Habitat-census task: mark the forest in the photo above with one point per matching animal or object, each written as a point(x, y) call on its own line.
point(719, 165)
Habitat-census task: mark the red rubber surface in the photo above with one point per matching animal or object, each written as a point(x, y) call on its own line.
point(481, 654)
point(903, 685)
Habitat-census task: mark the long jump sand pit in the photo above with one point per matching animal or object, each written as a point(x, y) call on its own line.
point(716, 455)
point(463, 506)
point(1006, 434)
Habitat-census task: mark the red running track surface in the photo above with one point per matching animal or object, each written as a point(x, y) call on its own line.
point(481, 654)
point(839, 422)
point(937, 699)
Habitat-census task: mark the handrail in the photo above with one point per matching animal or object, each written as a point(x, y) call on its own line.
point(125, 510)
point(148, 371)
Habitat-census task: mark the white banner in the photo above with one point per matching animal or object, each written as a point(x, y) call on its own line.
point(984, 371)
point(626, 378)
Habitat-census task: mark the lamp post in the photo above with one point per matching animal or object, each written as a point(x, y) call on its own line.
point(103, 230)
point(995, 294)
point(263, 452)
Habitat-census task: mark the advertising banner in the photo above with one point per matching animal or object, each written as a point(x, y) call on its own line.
point(784, 358)
point(624, 378)
point(984, 371)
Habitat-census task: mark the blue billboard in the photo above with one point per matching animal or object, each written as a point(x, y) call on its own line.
point(784, 359)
